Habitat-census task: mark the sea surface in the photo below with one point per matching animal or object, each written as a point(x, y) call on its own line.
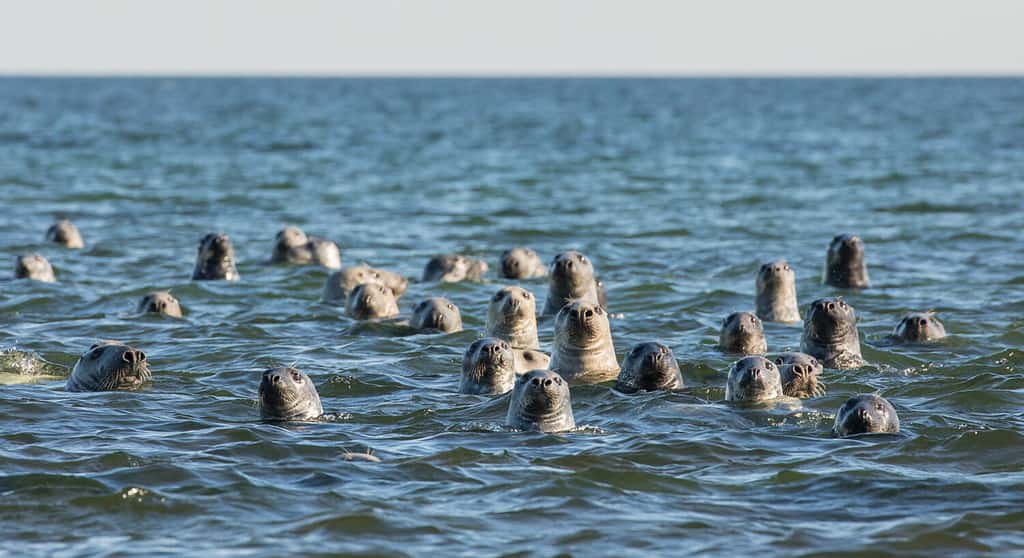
point(677, 190)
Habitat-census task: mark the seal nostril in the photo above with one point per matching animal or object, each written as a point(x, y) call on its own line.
point(142, 356)
point(588, 313)
point(535, 381)
point(922, 322)
point(547, 382)
point(275, 379)
point(831, 306)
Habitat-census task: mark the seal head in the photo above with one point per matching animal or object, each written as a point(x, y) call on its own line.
point(488, 368)
point(293, 246)
point(287, 394)
point(530, 359)
point(582, 351)
point(215, 259)
point(109, 366)
point(776, 293)
point(649, 367)
point(830, 333)
point(371, 301)
point(800, 375)
point(522, 263)
point(571, 278)
point(866, 413)
point(160, 302)
point(844, 263)
point(65, 233)
point(436, 314)
point(919, 327)
point(512, 316)
point(540, 402)
point(340, 283)
point(743, 334)
point(451, 268)
point(752, 379)
point(34, 267)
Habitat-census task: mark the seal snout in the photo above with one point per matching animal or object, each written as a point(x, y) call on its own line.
point(133, 357)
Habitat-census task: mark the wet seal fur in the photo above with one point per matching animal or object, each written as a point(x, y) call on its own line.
point(438, 314)
point(530, 359)
point(294, 247)
point(340, 283)
point(488, 368)
point(34, 267)
point(649, 367)
point(65, 233)
point(160, 302)
point(776, 293)
point(371, 301)
point(451, 268)
point(540, 402)
point(743, 334)
point(844, 263)
point(522, 263)
point(919, 327)
point(215, 259)
point(109, 366)
point(864, 414)
point(801, 375)
point(830, 334)
point(571, 278)
point(512, 316)
point(753, 379)
point(582, 351)
point(288, 394)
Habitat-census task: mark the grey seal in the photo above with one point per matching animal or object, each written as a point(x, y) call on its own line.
point(522, 263)
point(451, 268)
point(530, 359)
point(512, 316)
point(160, 302)
point(215, 259)
point(293, 246)
point(753, 378)
point(287, 394)
point(65, 233)
point(582, 351)
point(830, 333)
point(488, 368)
point(742, 333)
point(866, 413)
point(800, 374)
point(649, 367)
point(540, 401)
point(919, 327)
point(108, 366)
point(571, 278)
point(436, 314)
point(34, 267)
point(844, 263)
point(776, 293)
point(371, 301)
point(340, 283)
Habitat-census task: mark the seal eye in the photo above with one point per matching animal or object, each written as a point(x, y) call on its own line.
point(786, 267)
point(769, 365)
point(526, 294)
point(296, 377)
point(498, 296)
point(879, 406)
point(779, 361)
point(95, 352)
point(451, 306)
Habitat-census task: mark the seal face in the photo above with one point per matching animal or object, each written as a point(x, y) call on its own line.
point(293, 246)
point(371, 301)
point(512, 316)
point(540, 402)
point(34, 267)
point(436, 314)
point(919, 327)
point(65, 233)
point(522, 263)
point(160, 302)
point(582, 351)
point(109, 366)
point(830, 333)
point(530, 359)
point(488, 368)
point(287, 394)
point(340, 283)
point(215, 259)
point(571, 278)
point(844, 263)
point(451, 268)
point(800, 375)
point(866, 413)
point(742, 333)
point(649, 367)
point(753, 378)
point(776, 293)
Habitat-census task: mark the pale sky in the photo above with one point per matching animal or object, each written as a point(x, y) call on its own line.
point(525, 37)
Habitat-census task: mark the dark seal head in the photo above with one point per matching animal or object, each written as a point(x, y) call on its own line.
point(571, 278)
point(371, 301)
point(109, 366)
point(866, 413)
point(830, 334)
point(451, 268)
point(752, 379)
point(844, 264)
point(293, 246)
point(160, 302)
point(919, 327)
point(582, 351)
point(776, 293)
point(742, 334)
point(215, 259)
point(540, 401)
point(65, 233)
point(340, 283)
point(436, 314)
point(488, 368)
point(34, 267)
point(649, 367)
point(287, 394)
point(800, 375)
point(522, 263)
point(512, 316)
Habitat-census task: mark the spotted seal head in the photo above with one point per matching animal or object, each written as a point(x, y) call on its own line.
point(287, 394)
point(649, 367)
point(582, 351)
point(451, 268)
point(340, 283)
point(919, 327)
point(830, 334)
point(160, 302)
point(522, 263)
point(753, 378)
point(530, 359)
point(109, 366)
point(866, 413)
point(215, 259)
point(743, 334)
point(65, 233)
point(571, 278)
point(800, 374)
point(436, 313)
point(844, 264)
point(512, 316)
point(371, 301)
point(776, 293)
point(293, 246)
point(34, 267)
point(540, 402)
point(488, 367)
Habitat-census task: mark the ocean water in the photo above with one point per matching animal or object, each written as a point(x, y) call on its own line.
point(676, 189)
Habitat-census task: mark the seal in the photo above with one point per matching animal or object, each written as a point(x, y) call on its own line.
point(287, 394)
point(866, 413)
point(844, 263)
point(522, 263)
point(743, 334)
point(571, 278)
point(582, 351)
point(293, 246)
point(752, 379)
point(34, 267)
point(649, 367)
point(451, 268)
point(512, 316)
point(215, 259)
point(776, 293)
point(340, 283)
point(436, 314)
point(488, 368)
point(800, 375)
point(540, 402)
point(371, 301)
point(530, 359)
point(919, 327)
point(160, 302)
point(602, 293)
point(109, 366)
point(830, 334)
point(65, 233)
